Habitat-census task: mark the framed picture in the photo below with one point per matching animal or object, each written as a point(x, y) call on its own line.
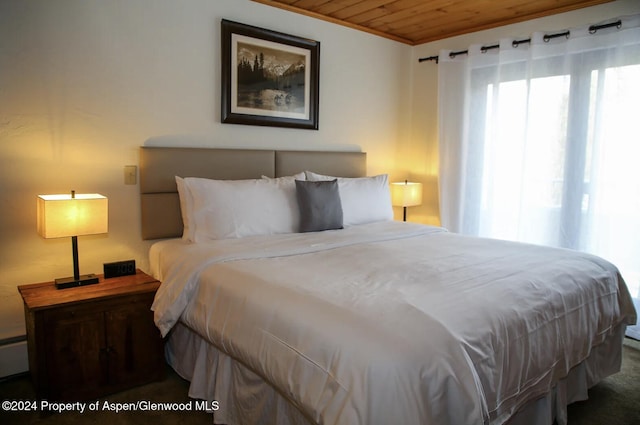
point(269, 78)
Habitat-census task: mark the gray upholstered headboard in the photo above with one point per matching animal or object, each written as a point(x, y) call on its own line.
point(160, 204)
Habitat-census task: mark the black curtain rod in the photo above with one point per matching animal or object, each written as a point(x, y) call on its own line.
point(546, 38)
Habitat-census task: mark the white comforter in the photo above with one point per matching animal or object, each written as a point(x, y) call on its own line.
point(394, 322)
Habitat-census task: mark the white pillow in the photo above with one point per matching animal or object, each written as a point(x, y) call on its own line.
point(364, 199)
point(224, 209)
point(300, 176)
point(186, 209)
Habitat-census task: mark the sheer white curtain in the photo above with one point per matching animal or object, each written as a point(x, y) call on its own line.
point(540, 143)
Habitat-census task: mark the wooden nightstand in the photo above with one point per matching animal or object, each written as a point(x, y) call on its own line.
point(92, 340)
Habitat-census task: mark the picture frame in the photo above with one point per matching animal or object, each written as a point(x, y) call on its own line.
point(269, 78)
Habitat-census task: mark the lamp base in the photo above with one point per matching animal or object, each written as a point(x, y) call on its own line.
point(71, 282)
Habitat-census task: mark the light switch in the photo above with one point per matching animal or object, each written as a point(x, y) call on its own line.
point(130, 174)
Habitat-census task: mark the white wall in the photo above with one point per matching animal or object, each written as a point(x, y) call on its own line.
point(84, 83)
point(419, 152)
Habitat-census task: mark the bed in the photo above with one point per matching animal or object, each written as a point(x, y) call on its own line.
point(377, 322)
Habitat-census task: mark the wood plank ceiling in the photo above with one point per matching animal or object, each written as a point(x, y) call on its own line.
point(420, 21)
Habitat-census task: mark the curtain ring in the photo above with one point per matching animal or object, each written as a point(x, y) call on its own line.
point(515, 44)
point(593, 29)
point(548, 37)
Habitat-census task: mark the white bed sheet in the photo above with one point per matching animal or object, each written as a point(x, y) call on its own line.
point(245, 398)
point(394, 322)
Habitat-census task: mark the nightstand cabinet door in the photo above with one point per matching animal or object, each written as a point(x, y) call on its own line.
point(94, 340)
point(133, 344)
point(75, 342)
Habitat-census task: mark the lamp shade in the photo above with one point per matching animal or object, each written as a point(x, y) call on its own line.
point(406, 194)
point(66, 215)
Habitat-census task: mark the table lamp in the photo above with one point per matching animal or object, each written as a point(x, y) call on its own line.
point(73, 215)
point(406, 194)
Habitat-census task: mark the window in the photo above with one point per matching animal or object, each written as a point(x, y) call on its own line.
point(557, 159)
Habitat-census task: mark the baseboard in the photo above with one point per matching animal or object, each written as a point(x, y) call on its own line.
point(14, 358)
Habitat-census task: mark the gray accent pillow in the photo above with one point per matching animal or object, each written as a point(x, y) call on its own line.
point(320, 206)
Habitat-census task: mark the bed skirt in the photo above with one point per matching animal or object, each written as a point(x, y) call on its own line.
point(245, 398)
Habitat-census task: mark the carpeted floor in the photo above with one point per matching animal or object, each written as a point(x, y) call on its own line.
point(615, 401)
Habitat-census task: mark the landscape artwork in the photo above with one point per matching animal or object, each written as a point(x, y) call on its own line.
point(269, 78)
point(270, 81)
